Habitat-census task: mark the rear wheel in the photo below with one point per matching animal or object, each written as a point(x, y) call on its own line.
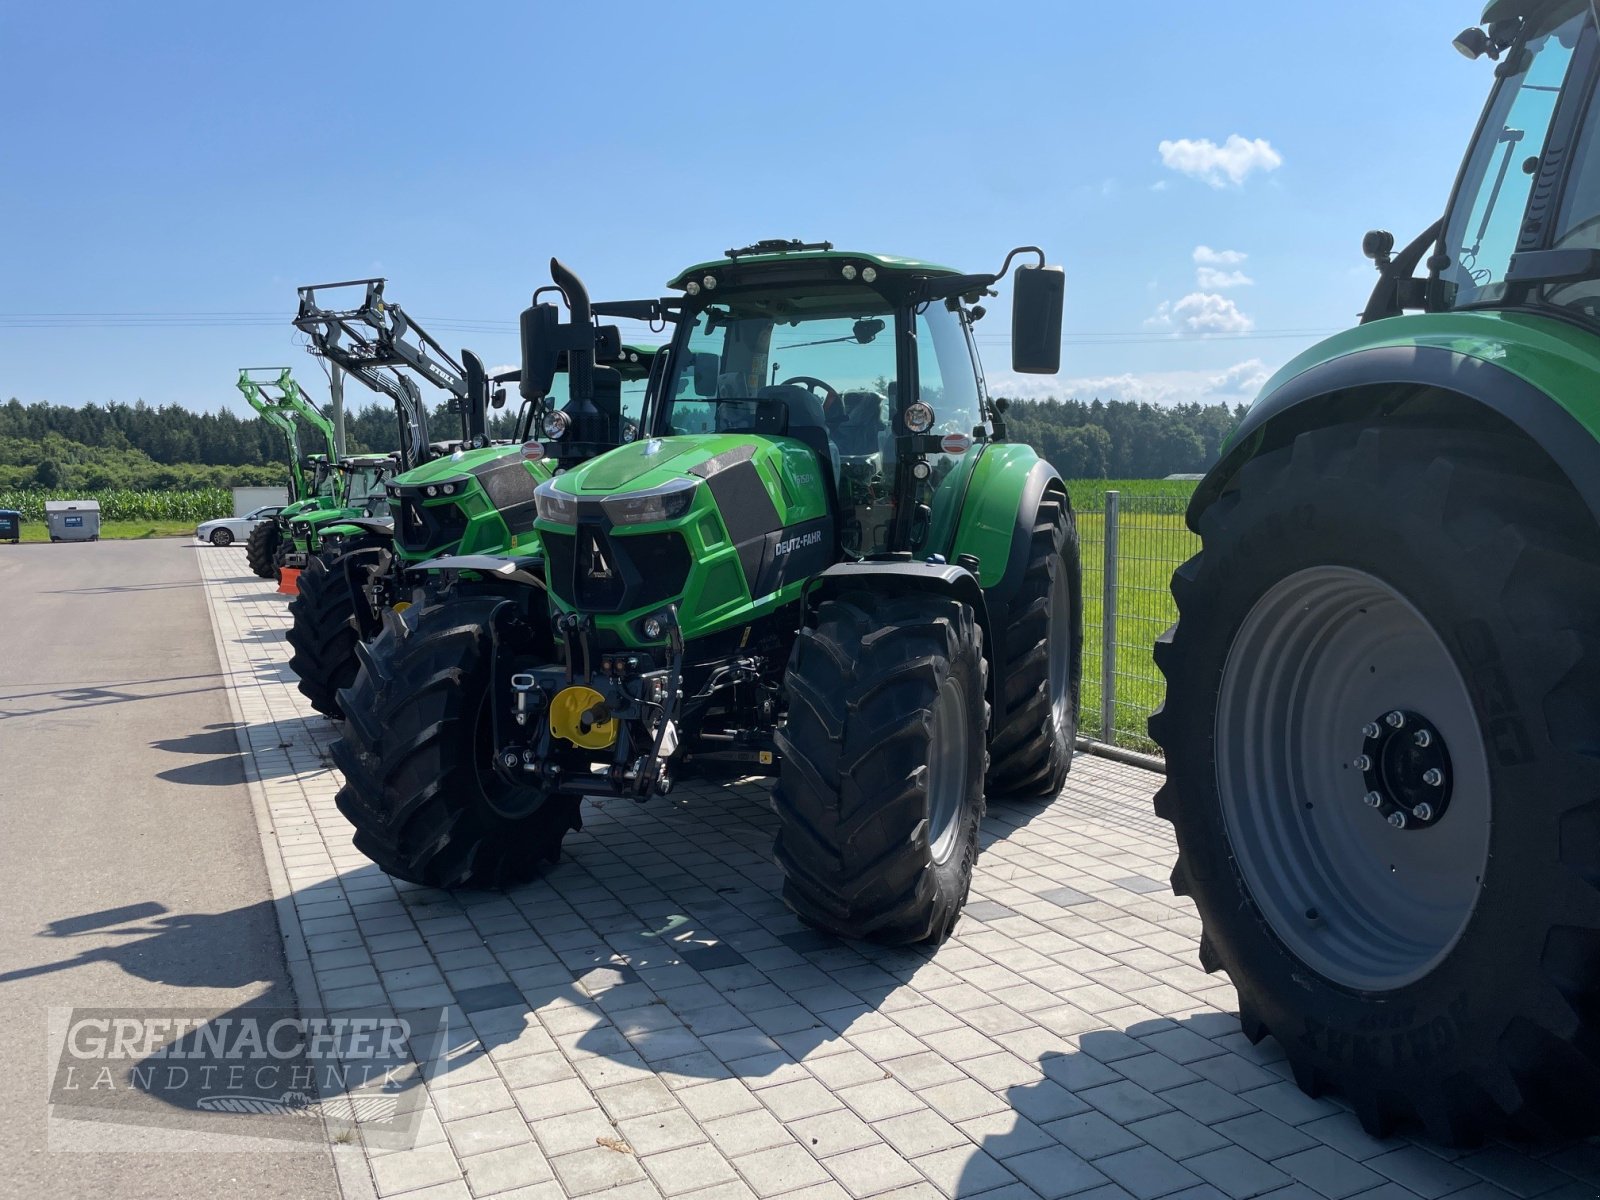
point(880, 792)
point(426, 803)
point(1043, 641)
point(261, 549)
point(222, 537)
point(1381, 701)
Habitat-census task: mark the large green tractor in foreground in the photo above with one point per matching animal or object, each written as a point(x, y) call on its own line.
point(279, 401)
point(1382, 722)
point(459, 497)
point(790, 574)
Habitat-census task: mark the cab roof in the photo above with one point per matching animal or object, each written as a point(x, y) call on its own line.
point(776, 252)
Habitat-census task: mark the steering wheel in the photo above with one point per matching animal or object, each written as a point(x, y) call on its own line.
point(830, 395)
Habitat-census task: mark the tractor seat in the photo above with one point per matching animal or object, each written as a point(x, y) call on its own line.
point(861, 431)
point(806, 420)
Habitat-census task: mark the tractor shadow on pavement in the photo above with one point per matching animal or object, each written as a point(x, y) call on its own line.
point(271, 755)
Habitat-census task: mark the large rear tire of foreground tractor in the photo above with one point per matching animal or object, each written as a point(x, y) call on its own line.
point(880, 792)
point(322, 632)
point(261, 549)
point(425, 800)
point(1043, 641)
point(1382, 698)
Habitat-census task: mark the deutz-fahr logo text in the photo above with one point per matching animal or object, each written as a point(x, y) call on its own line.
point(798, 542)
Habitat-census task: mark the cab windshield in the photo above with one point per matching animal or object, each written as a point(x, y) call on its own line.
point(809, 355)
point(1508, 186)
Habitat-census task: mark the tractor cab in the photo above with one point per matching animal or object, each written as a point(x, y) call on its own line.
point(1522, 230)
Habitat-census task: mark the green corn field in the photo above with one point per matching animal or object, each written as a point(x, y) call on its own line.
point(127, 504)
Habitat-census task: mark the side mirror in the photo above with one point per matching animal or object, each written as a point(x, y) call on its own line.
point(498, 399)
point(1038, 296)
point(607, 343)
point(866, 330)
point(541, 347)
point(707, 374)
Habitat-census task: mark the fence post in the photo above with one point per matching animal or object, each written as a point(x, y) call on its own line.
point(1108, 627)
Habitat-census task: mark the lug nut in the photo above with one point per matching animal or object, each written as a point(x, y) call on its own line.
point(1373, 799)
point(1398, 820)
point(1396, 719)
point(1422, 738)
point(1362, 763)
point(1423, 811)
point(1370, 730)
point(1433, 777)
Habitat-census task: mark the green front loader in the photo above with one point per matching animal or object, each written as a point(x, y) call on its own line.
point(790, 574)
point(1382, 722)
point(280, 402)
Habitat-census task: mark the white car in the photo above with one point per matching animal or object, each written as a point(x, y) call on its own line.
point(224, 531)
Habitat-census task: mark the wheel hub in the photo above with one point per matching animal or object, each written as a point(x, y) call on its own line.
point(1405, 768)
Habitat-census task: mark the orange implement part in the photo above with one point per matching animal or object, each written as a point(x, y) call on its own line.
point(289, 581)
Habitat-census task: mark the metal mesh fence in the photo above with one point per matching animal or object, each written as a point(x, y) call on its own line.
point(1129, 548)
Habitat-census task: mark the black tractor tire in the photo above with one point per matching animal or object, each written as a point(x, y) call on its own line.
point(221, 537)
point(261, 549)
point(880, 788)
point(322, 634)
point(1043, 641)
point(425, 800)
point(1452, 983)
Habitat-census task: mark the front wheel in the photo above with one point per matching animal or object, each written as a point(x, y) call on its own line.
point(425, 800)
point(222, 537)
point(261, 548)
point(880, 792)
point(322, 630)
point(1382, 694)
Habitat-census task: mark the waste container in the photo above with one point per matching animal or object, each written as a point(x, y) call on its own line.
point(73, 520)
point(10, 525)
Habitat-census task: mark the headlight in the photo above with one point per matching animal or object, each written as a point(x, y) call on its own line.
point(556, 425)
point(664, 503)
point(302, 528)
point(555, 506)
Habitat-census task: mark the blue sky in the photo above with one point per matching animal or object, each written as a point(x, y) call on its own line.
point(204, 159)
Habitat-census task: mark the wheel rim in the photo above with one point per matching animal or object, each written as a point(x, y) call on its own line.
point(1323, 656)
point(947, 769)
point(222, 537)
point(1059, 648)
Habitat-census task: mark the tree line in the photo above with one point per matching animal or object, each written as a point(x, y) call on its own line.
point(167, 446)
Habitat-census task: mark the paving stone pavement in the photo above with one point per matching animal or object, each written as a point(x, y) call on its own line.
point(648, 1019)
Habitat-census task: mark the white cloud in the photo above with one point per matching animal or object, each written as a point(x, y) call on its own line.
point(1206, 256)
point(1202, 313)
point(1210, 279)
point(1232, 162)
point(1232, 386)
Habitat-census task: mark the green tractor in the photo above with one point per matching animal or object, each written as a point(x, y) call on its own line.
point(464, 496)
point(279, 401)
point(1382, 722)
point(357, 495)
point(790, 574)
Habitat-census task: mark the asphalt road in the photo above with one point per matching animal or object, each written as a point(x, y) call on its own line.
point(131, 873)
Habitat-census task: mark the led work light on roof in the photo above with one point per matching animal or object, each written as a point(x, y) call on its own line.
point(709, 283)
point(849, 271)
point(919, 418)
point(869, 274)
point(692, 288)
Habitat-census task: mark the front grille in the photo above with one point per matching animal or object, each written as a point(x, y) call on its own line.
point(594, 570)
point(424, 528)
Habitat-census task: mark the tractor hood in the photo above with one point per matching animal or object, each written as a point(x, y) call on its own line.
point(635, 465)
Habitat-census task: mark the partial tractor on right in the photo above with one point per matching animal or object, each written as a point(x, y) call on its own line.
point(1382, 723)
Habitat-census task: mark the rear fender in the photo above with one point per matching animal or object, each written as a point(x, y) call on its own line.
point(1421, 384)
